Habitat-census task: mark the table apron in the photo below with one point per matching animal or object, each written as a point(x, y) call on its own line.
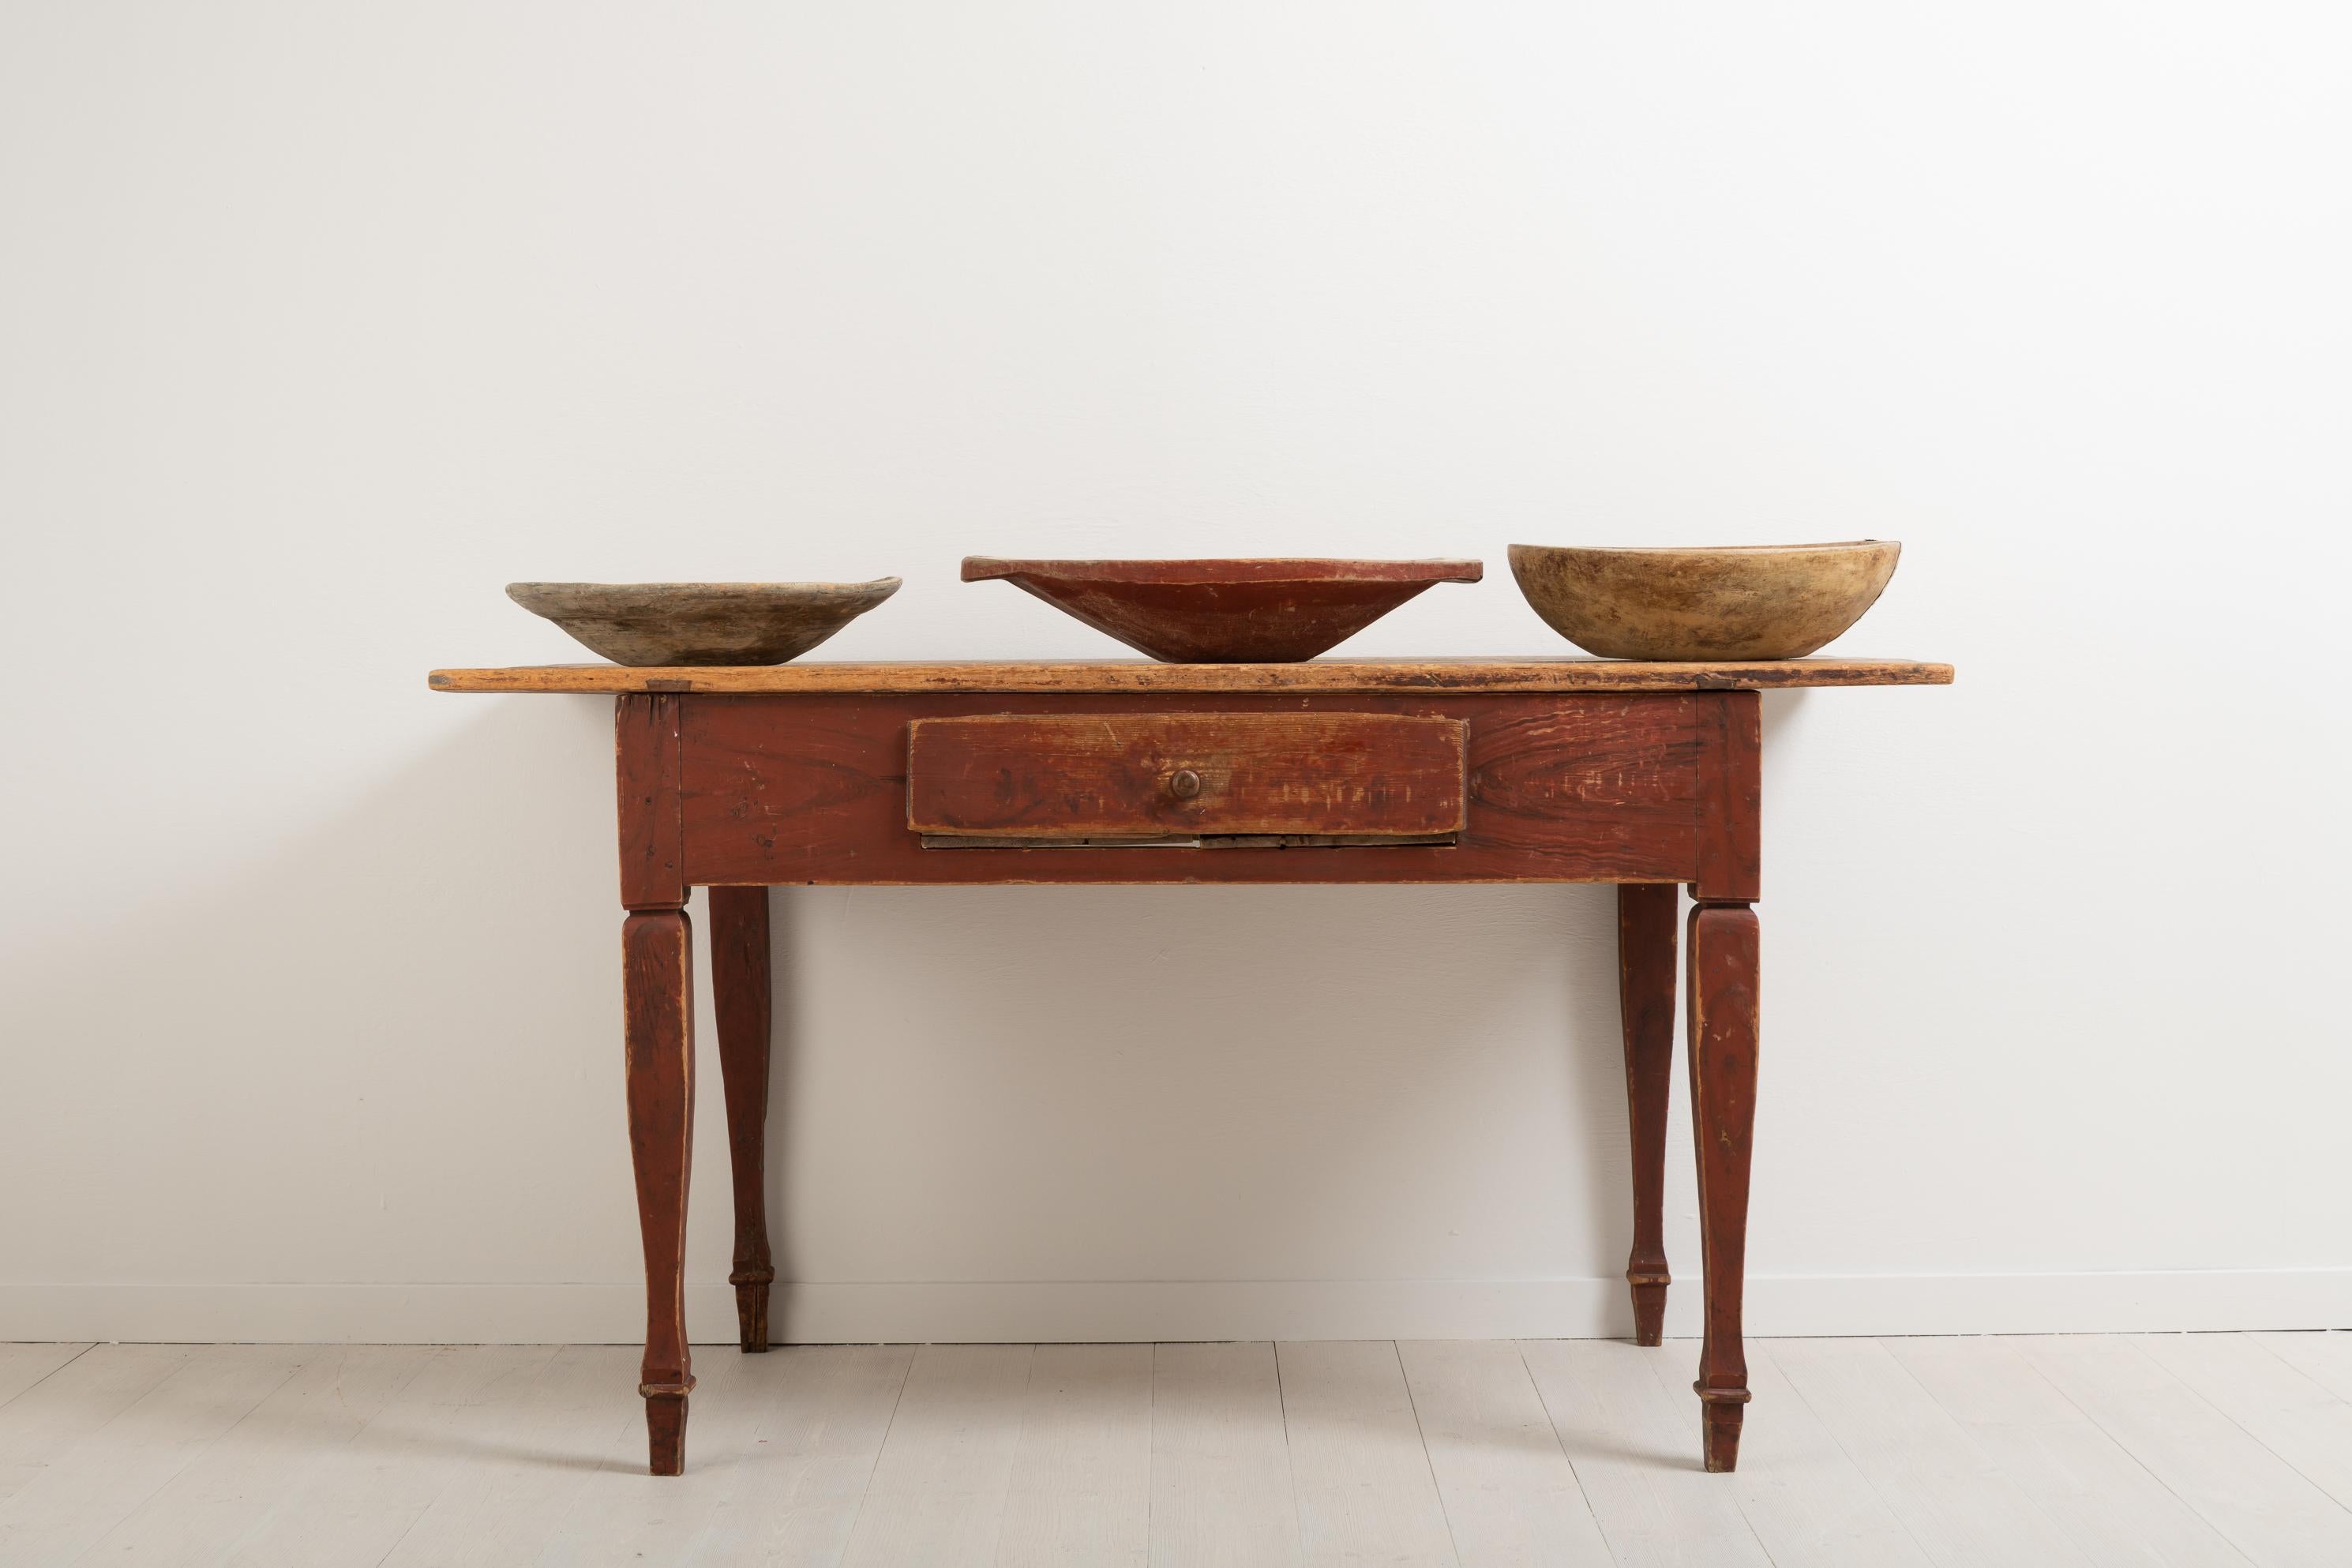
point(812, 789)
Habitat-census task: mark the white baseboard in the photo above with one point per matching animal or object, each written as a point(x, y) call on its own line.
point(1164, 1309)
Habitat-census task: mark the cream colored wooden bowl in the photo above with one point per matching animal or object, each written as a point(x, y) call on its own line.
point(1754, 601)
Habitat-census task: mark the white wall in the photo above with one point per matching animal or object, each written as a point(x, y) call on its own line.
point(319, 323)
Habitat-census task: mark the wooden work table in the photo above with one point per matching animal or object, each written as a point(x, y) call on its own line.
point(1373, 770)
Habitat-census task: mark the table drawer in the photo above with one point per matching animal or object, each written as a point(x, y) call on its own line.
point(1015, 780)
point(815, 790)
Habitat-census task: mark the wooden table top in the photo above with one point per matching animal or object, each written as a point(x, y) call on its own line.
point(1083, 675)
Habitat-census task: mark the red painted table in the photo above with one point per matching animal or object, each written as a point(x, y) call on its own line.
point(1643, 775)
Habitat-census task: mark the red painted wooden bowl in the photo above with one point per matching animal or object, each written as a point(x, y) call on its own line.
point(1225, 611)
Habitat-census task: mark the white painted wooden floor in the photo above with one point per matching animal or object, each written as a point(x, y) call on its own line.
point(2172, 1449)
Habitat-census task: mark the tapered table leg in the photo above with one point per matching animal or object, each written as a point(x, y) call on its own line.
point(739, 980)
point(658, 995)
point(1645, 995)
point(1722, 1038)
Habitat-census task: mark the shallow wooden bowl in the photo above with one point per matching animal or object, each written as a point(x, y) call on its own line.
point(1225, 611)
point(701, 623)
point(1756, 601)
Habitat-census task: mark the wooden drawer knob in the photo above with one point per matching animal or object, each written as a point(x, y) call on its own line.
point(1183, 783)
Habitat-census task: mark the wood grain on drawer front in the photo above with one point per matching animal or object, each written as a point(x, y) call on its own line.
point(812, 789)
point(1111, 775)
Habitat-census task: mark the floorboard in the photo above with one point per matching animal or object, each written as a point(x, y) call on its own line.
point(824, 1412)
point(1954, 1501)
point(1221, 1489)
point(2258, 1501)
point(1361, 1475)
point(103, 1479)
point(1627, 1436)
point(1801, 1492)
point(1510, 1496)
point(22, 1366)
point(229, 1491)
point(2110, 1507)
point(630, 1516)
point(353, 1509)
point(2293, 1415)
point(938, 1492)
point(43, 1425)
point(1080, 1492)
point(538, 1458)
point(2095, 1451)
point(2325, 1358)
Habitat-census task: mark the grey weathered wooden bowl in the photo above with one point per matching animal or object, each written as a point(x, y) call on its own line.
point(1753, 601)
point(701, 623)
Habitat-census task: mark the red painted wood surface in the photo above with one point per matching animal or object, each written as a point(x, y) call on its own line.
point(743, 791)
point(658, 997)
point(1229, 611)
point(1142, 774)
point(645, 763)
point(1730, 856)
point(1645, 999)
point(739, 986)
point(814, 790)
point(1723, 1044)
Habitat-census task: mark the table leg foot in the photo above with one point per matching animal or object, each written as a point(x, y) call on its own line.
point(1649, 1311)
point(751, 1312)
point(666, 1433)
point(1720, 1440)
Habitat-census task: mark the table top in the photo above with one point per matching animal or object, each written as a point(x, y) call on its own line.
point(1337, 675)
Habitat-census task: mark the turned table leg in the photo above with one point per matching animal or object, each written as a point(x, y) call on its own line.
point(1722, 1030)
point(740, 979)
point(1645, 995)
point(657, 1002)
point(659, 993)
